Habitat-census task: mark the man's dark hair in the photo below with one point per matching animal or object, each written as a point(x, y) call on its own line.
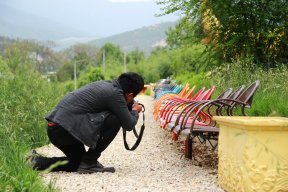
point(131, 82)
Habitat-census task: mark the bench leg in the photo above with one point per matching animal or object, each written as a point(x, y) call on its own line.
point(188, 148)
point(174, 136)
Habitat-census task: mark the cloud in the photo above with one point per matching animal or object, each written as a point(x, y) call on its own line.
point(130, 1)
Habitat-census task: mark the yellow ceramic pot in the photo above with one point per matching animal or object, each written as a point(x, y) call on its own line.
point(253, 153)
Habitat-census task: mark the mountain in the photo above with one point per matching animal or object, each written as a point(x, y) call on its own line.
point(18, 24)
point(143, 39)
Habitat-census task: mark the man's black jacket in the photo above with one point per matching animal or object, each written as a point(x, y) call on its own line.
point(83, 111)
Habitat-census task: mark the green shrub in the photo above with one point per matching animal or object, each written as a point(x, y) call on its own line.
point(94, 74)
point(25, 99)
point(199, 80)
point(271, 97)
point(269, 100)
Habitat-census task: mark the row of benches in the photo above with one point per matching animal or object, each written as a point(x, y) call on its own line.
point(188, 115)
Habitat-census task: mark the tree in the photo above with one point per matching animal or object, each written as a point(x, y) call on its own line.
point(65, 72)
point(114, 58)
point(135, 56)
point(90, 51)
point(233, 28)
point(112, 52)
point(94, 74)
point(42, 58)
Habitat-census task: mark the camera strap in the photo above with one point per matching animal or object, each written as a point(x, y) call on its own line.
point(138, 136)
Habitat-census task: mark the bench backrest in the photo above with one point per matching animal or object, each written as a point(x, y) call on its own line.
point(247, 95)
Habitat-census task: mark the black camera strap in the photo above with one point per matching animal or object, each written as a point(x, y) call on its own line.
point(138, 136)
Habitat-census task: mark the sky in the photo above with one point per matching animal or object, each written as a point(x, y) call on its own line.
point(95, 17)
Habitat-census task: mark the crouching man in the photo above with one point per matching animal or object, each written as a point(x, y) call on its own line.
point(91, 116)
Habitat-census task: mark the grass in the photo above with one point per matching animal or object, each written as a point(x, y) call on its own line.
point(25, 98)
point(269, 100)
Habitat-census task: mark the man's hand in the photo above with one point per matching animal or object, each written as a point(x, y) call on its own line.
point(137, 107)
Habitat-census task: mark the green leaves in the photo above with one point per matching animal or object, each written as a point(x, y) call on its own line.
point(237, 28)
point(94, 74)
point(25, 98)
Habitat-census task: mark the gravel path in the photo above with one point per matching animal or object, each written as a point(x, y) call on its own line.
point(156, 165)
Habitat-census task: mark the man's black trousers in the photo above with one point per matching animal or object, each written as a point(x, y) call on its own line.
point(74, 150)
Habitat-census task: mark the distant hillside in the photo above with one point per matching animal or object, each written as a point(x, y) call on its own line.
point(145, 38)
point(17, 24)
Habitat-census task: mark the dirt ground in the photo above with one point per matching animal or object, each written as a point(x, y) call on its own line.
point(156, 165)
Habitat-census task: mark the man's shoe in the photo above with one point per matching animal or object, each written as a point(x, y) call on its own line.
point(33, 159)
point(38, 162)
point(94, 168)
